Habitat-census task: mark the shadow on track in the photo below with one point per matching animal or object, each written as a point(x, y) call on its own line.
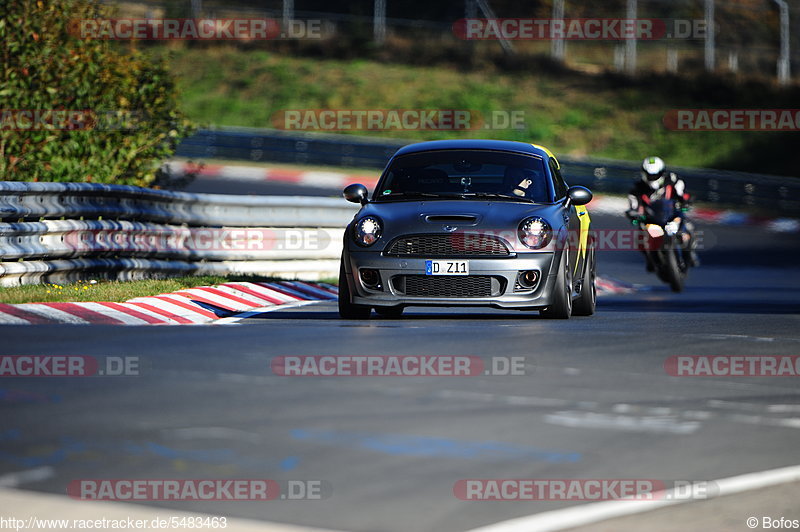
point(703, 306)
point(413, 314)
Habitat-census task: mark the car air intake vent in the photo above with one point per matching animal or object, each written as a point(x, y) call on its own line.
point(464, 244)
point(451, 219)
point(455, 287)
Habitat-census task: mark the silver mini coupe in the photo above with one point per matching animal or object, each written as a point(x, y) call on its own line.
point(469, 223)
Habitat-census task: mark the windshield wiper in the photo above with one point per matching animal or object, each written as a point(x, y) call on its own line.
point(396, 195)
point(495, 195)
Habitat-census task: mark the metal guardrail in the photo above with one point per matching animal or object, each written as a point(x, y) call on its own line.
point(273, 145)
point(80, 238)
point(21, 201)
point(781, 194)
point(122, 269)
point(57, 232)
point(68, 231)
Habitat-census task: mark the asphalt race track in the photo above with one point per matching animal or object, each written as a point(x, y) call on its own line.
point(595, 401)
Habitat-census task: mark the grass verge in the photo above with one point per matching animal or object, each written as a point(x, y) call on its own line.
point(574, 114)
point(116, 291)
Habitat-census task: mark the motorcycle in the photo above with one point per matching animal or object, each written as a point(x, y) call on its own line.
point(667, 241)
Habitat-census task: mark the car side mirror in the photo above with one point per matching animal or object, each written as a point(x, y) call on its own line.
point(579, 195)
point(356, 193)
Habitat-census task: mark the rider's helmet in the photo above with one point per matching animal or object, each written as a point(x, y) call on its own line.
point(653, 170)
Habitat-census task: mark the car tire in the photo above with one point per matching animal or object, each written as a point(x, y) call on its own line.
point(389, 312)
point(561, 306)
point(348, 310)
point(586, 303)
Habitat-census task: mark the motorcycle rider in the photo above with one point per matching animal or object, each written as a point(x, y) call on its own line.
point(656, 183)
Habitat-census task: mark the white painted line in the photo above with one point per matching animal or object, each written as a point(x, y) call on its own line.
point(256, 301)
point(735, 405)
point(52, 313)
point(242, 173)
point(608, 205)
point(10, 320)
point(137, 308)
point(263, 310)
point(112, 313)
point(592, 420)
point(172, 308)
point(129, 308)
point(262, 291)
point(783, 408)
point(792, 422)
point(587, 514)
point(757, 480)
point(467, 395)
point(735, 337)
point(214, 298)
point(13, 480)
point(176, 168)
point(323, 179)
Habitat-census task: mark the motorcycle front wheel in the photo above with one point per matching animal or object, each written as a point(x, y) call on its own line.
point(673, 273)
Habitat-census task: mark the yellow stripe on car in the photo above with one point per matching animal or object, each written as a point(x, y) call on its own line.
point(549, 154)
point(583, 217)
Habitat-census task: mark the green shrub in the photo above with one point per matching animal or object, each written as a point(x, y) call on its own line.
point(131, 122)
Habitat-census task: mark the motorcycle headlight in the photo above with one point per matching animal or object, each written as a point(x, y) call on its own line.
point(655, 231)
point(535, 232)
point(367, 230)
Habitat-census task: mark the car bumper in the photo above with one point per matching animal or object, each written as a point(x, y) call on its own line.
point(394, 289)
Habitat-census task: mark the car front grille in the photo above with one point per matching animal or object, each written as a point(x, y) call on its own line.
point(448, 245)
point(445, 286)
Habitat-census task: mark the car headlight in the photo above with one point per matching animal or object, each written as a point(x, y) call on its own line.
point(367, 230)
point(535, 232)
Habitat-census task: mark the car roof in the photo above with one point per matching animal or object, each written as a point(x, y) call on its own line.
point(477, 144)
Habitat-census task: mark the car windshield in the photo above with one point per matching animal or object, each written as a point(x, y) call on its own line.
point(466, 174)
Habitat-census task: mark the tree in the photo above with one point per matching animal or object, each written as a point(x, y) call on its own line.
point(118, 119)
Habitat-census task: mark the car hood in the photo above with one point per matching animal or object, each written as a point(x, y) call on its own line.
point(499, 218)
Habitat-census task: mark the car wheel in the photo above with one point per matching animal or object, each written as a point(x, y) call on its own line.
point(587, 301)
point(561, 307)
point(389, 312)
point(348, 310)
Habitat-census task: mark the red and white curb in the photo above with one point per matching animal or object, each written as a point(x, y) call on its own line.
point(221, 304)
point(225, 303)
point(612, 287)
